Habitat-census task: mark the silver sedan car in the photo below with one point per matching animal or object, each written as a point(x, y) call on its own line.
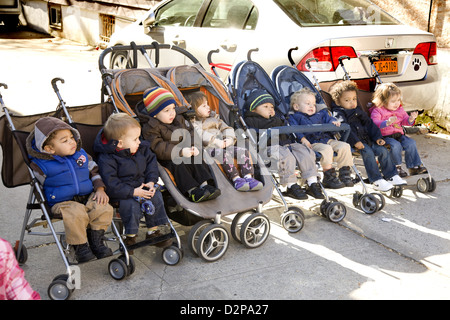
point(291, 32)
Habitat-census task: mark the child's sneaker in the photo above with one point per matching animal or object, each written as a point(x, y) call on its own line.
point(296, 192)
point(213, 191)
point(199, 194)
point(397, 181)
point(402, 173)
point(254, 184)
point(315, 191)
point(382, 185)
point(417, 170)
point(240, 184)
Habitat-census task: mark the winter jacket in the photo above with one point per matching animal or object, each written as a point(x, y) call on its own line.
point(63, 178)
point(212, 128)
point(362, 127)
point(160, 134)
point(122, 171)
point(320, 117)
point(256, 121)
point(380, 115)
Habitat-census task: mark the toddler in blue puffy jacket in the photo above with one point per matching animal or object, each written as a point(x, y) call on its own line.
point(72, 186)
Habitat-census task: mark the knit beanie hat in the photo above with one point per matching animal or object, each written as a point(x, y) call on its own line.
point(44, 127)
point(156, 99)
point(257, 98)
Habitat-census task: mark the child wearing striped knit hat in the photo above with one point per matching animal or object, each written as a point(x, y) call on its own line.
point(171, 138)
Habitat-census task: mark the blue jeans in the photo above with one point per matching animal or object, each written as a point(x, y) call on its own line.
point(130, 213)
point(387, 166)
point(412, 157)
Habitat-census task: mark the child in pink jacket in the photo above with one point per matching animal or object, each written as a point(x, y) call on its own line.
point(389, 115)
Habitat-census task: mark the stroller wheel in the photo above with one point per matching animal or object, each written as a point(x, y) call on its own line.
point(381, 200)
point(356, 199)
point(255, 230)
point(293, 220)
point(432, 186)
point(236, 225)
point(369, 203)
point(195, 232)
point(22, 257)
point(396, 192)
point(172, 255)
point(426, 185)
point(118, 269)
point(212, 242)
point(131, 267)
point(59, 289)
point(334, 210)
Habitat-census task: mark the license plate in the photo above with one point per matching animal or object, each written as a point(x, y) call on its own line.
point(386, 65)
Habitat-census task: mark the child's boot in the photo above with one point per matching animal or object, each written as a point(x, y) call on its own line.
point(83, 253)
point(98, 247)
point(345, 177)
point(331, 181)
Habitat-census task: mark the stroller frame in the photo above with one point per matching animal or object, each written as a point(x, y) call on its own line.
point(368, 202)
point(62, 285)
point(423, 184)
point(207, 238)
point(330, 207)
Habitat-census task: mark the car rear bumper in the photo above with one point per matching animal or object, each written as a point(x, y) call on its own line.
point(422, 94)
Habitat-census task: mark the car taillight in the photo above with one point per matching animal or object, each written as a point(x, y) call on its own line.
point(328, 58)
point(428, 50)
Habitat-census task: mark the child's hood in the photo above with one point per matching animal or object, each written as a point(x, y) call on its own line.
point(44, 127)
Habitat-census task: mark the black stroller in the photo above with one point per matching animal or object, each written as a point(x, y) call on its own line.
point(248, 76)
point(16, 171)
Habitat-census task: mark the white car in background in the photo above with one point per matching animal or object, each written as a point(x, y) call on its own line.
point(320, 29)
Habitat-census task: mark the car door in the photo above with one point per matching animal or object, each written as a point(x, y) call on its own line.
point(174, 23)
point(227, 26)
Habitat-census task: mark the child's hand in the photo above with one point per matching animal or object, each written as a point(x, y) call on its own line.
point(336, 123)
point(101, 196)
point(413, 115)
point(227, 142)
point(151, 188)
point(391, 120)
point(194, 151)
point(220, 143)
point(381, 142)
point(359, 145)
point(306, 142)
point(186, 152)
point(142, 192)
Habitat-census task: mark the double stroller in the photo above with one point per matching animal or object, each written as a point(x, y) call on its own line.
point(288, 80)
point(207, 238)
point(248, 76)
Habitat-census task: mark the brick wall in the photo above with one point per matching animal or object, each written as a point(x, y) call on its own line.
point(415, 13)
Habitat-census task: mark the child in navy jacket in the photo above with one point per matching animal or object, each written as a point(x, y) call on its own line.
point(365, 136)
point(130, 172)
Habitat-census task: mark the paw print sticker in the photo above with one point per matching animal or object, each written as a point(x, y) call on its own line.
point(416, 64)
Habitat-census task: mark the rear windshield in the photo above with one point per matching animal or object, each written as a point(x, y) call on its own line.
point(313, 13)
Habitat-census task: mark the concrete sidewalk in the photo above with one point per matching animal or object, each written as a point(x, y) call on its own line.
point(400, 252)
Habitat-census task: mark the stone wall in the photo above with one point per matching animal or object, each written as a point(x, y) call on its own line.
point(417, 14)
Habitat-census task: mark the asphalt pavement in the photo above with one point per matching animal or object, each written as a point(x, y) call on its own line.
point(400, 252)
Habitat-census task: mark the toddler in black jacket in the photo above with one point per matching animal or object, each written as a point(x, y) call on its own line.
point(130, 172)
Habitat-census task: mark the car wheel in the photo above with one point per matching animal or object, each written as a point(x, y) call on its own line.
point(120, 60)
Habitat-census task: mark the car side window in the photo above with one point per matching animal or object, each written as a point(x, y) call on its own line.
point(181, 13)
point(238, 14)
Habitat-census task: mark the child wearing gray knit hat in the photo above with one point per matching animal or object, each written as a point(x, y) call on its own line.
point(72, 186)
